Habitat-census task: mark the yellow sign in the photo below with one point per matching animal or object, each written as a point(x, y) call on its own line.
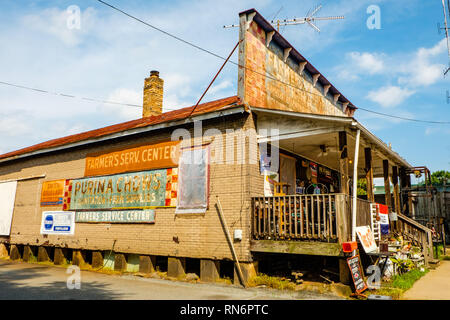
point(156, 156)
point(52, 193)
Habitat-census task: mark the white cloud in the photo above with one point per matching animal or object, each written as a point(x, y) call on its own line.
point(437, 130)
point(389, 96)
point(220, 87)
point(371, 63)
point(12, 125)
point(423, 69)
point(54, 21)
point(127, 96)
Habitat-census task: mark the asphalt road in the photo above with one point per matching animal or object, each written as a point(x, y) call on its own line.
point(25, 281)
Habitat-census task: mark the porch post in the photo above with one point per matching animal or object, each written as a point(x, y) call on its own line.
point(387, 186)
point(355, 186)
point(403, 194)
point(398, 208)
point(369, 174)
point(343, 162)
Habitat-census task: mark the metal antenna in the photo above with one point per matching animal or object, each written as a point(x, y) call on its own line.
point(446, 31)
point(310, 19)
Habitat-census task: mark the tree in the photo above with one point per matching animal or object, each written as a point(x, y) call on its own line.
point(362, 187)
point(439, 177)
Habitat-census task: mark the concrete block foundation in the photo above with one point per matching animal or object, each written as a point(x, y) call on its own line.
point(209, 270)
point(120, 262)
point(60, 256)
point(14, 253)
point(3, 251)
point(97, 259)
point(78, 258)
point(43, 254)
point(176, 267)
point(147, 264)
point(249, 270)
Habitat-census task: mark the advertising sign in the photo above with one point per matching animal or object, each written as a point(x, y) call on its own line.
point(366, 238)
point(58, 222)
point(357, 274)
point(7, 199)
point(384, 218)
point(128, 216)
point(156, 156)
point(52, 193)
point(122, 191)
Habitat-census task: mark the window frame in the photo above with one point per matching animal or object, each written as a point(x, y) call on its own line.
point(194, 209)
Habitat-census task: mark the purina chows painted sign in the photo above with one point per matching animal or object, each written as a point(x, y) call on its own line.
point(121, 191)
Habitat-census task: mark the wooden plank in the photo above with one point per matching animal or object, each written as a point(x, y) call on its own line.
point(290, 216)
point(230, 242)
point(313, 218)
point(296, 199)
point(324, 216)
point(301, 216)
point(272, 218)
point(297, 247)
point(369, 174)
point(330, 216)
point(263, 231)
point(307, 216)
point(343, 162)
point(318, 217)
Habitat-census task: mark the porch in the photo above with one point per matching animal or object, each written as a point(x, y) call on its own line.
point(313, 214)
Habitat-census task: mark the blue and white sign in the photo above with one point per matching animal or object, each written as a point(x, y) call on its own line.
point(58, 222)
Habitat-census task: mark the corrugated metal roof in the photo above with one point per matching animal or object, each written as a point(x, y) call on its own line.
point(208, 107)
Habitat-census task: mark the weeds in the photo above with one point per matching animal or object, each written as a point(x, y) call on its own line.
point(271, 282)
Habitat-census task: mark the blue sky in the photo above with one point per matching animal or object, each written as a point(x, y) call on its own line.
point(397, 69)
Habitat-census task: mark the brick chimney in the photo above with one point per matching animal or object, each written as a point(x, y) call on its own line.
point(153, 95)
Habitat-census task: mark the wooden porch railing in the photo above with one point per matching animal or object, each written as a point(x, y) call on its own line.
point(416, 232)
point(316, 217)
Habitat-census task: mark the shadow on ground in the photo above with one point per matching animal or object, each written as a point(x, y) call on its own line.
point(30, 284)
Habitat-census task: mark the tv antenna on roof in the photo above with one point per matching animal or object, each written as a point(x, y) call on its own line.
point(446, 31)
point(310, 19)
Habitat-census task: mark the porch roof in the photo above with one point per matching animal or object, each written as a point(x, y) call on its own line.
point(305, 133)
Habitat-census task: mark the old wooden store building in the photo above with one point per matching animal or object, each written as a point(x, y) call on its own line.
point(232, 182)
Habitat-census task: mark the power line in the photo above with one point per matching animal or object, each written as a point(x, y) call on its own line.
point(404, 118)
point(251, 70)
point(73, 96)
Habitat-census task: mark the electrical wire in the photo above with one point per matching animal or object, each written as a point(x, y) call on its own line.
point(257, 72)
point(73, 96)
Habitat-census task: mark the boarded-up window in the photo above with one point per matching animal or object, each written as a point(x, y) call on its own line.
point(193, 177)
point(7, 197)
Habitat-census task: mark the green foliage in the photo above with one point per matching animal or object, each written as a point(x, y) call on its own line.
point(438, 178)
point(403, 266)
point(405, 281)
point(362, 187)
point(400, 283)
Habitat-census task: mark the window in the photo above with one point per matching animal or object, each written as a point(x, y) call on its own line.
point(193, 186)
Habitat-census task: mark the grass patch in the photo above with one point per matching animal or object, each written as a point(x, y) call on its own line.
point(400, 283)
point(271, 282)
point(406, 280)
